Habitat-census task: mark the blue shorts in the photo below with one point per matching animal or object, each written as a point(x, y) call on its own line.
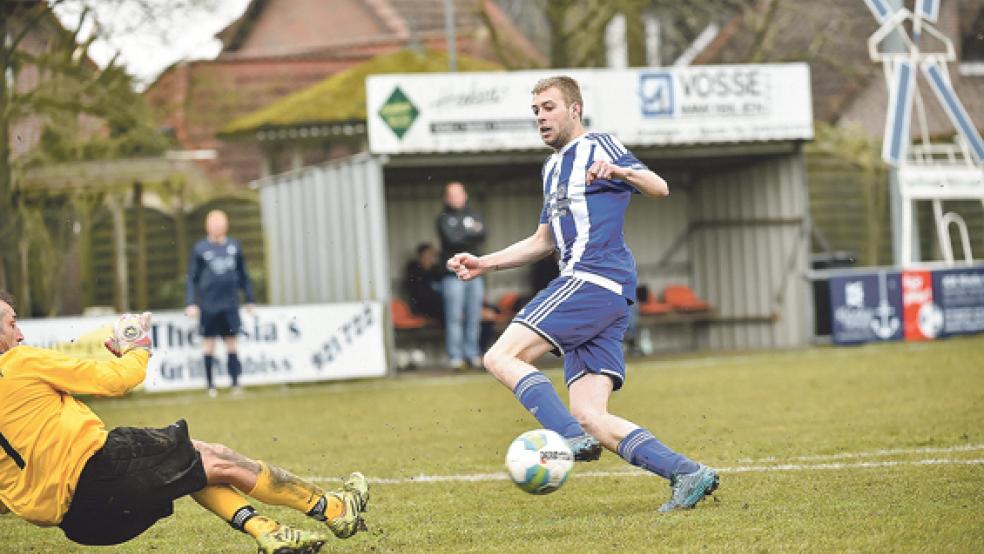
point(586, 325)
point(220, 323)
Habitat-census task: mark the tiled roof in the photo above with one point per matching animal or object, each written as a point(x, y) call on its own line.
point(428, 15)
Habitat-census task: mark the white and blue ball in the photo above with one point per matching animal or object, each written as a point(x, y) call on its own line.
point(539, 461)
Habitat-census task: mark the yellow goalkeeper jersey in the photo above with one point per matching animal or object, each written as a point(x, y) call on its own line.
point(46, 435)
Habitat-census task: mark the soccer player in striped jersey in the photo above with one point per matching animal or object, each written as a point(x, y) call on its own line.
point(60, 466)
point(583, 314)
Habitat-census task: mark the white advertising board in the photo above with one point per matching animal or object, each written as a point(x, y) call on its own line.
point(490, 111)
point(282, 344)
point(941, 182)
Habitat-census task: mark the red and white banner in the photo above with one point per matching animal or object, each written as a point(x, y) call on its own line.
point(923, 320)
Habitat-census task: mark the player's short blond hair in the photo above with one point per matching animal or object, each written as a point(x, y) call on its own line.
point(567, 86)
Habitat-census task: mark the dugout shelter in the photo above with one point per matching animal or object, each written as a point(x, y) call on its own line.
point(727, 138)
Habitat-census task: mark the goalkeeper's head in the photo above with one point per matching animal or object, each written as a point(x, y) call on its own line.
point(10, 333)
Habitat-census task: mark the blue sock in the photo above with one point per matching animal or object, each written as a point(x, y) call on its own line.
point(640, 448)
point(538, 395)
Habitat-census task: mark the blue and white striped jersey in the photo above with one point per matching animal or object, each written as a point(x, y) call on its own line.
point(588, 219)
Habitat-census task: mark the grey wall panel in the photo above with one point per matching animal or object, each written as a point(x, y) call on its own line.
point(271, 239)
point(325, 229)
point(376, 212)
point(750, 252)
point(322, 232)
point(652, 226)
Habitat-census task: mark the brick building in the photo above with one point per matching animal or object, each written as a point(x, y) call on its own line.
point(281, 46)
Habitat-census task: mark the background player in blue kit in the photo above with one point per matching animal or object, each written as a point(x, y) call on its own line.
point(216, 273)
point(583, 314)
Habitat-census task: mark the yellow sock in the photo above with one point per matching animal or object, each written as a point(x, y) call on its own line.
point(334, 508)
point(225, 502)
point(257, 525)
point(281, 488)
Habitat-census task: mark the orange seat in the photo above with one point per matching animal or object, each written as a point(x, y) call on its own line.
point(507, 306)
point(654, 307)
point(681, 298)
point(403, 318)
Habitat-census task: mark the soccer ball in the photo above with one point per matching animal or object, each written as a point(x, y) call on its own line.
point(539, 461)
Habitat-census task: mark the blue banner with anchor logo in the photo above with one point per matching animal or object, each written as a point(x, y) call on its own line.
point(866, 307)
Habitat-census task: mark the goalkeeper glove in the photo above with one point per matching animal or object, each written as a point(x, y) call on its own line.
point(130, 332)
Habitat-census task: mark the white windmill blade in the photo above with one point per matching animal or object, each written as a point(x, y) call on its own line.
point(954, 108)
point(895, 142)
point(880, 9)
point(894, 23)
point(928, 10)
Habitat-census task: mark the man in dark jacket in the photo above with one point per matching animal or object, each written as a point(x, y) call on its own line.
point(423, 283)
point(461, 230)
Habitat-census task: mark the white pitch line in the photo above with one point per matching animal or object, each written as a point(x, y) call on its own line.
point(868, 454)
point(502, 476)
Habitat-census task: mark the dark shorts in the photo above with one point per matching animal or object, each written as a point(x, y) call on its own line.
point(222, 323)
point(132, 482)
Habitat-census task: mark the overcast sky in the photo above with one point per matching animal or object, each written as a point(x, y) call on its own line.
point(145, 54)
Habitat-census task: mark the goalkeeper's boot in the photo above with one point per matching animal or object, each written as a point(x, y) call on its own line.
point(690, 488)
point(287, 540)
point(585, 448)
point(354, 497)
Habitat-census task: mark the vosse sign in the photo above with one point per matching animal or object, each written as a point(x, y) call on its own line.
point(490, 111)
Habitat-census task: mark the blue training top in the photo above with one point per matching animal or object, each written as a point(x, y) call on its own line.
point(587, 220)
point(216, 272)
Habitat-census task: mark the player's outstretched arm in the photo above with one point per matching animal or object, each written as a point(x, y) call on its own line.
point(539, 244)
point(113, 377)
point(130, 343)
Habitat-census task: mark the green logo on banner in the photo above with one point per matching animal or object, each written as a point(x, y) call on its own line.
point(398, 112)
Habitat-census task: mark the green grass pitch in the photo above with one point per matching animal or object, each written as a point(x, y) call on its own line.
point(871, 449)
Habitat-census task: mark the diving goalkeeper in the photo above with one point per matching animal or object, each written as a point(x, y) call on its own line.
point(59, 465)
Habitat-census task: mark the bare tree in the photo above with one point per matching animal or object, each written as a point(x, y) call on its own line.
point(84, 112)
point(572, 31)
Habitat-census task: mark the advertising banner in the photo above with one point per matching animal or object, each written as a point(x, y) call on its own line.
point(960, 296)
point(915, 304)
point(280, 344)
point(866, 307)
point(923, 319)
point(490, 111)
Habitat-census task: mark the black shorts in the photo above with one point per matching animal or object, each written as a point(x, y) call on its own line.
point(221, 323)
point(131, 482)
